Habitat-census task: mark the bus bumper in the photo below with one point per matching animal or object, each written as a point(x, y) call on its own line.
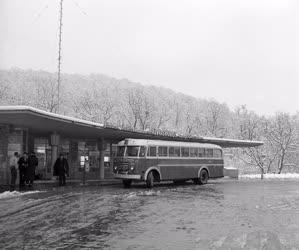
point(128, 176)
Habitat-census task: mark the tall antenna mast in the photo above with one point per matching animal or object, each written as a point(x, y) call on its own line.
point(59, 57)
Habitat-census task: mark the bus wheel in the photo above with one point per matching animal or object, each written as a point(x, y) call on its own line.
point(150, 180)
point(127, 183)
point(203, 177)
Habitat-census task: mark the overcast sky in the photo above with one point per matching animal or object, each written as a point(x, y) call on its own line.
point(235, 51)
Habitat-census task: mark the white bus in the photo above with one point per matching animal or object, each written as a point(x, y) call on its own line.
point(156, 160)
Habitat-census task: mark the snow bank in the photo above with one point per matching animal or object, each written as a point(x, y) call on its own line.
point(8, 194)
point(270, 176)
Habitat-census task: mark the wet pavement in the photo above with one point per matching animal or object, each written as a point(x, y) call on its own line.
point(225, 214)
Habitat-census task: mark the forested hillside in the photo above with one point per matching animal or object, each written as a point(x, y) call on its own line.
point(125, 104)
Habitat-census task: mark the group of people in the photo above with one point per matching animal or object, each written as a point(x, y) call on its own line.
point(26, 166)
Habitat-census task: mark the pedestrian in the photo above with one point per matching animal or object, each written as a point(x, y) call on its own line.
point(13, 163)
point(30, 171)
point(61, 169)
point(23, 164)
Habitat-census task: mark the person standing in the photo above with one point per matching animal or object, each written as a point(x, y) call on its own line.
point(23, 164)
point(13, 163)
point(30, 171)
point(61, 169)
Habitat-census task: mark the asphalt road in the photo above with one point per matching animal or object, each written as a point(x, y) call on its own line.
point(225, 214)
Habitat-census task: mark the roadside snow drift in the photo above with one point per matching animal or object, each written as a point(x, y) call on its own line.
point(270, 176)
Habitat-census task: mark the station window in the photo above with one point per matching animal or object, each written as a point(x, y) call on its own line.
point(217, 153)
point(152, 151)
point(174, 152)
point(209, 152)
point(83, 160)
point(185, 152)
point(162, 151)
point(142, 151)
point(193, 152)
point(201, 152)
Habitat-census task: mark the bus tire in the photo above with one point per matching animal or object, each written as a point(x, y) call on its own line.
point(127, 183)
point(202, 178)
point(150, 180)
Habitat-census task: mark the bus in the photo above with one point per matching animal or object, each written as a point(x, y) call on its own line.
point(153, 161)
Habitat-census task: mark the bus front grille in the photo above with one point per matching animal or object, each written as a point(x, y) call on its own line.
point(124, 166)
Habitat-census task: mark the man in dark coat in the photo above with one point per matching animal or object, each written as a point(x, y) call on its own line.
point(61, 169)
point(23, 164)
point(13, 163)
point(30, 171)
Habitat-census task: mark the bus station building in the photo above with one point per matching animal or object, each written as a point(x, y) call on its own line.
point(84, 143)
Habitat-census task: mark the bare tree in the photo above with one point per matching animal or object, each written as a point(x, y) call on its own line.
point(252, 127)
point(134, 101)
point(215, 118)
point(177, 107)
point(192, 118)
point(95, 105)
point(163, 116)
point(281, 134)
point(3, 91)
point(141, 108)
point(46, 95)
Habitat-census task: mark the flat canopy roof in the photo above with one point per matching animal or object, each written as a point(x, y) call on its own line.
point(39, 121)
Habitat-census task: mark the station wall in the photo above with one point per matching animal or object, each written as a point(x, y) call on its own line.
point(79, 153)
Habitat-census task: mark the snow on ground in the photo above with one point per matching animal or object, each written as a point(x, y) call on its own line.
point(270, 176)
point(8, 194)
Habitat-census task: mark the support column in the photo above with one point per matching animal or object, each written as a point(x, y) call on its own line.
point(54, 149)
point(111, 159)
point(4, 159)
point(101, 146)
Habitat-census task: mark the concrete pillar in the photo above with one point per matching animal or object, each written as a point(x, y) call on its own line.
point(101, 146)
point(4, 159)
point(54, 149)
point(111, 159)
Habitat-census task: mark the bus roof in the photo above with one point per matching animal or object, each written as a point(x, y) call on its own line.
point(144, 142)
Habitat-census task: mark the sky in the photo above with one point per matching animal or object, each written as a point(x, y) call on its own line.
point(241, 52)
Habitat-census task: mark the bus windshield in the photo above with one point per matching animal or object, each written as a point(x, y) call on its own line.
point(121, 150)
point(132, 151)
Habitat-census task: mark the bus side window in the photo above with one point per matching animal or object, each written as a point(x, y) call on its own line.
point(152, 151)
point(193, 152)
point(174, 152)
point(142, 151)
point(162, 151)
point(209, 152)
point(185, 152)
point(217, 153)
point(201, 153)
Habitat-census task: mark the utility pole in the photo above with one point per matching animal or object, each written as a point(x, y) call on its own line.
point(59, 57)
